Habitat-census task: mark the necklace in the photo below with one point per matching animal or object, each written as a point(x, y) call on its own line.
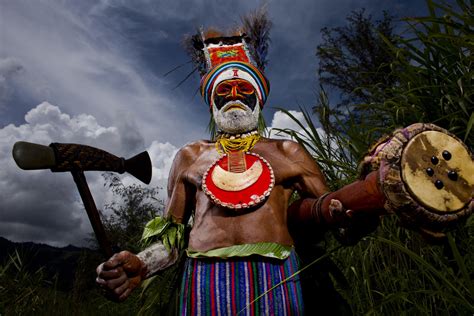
point(239, 179)
point(227, 143)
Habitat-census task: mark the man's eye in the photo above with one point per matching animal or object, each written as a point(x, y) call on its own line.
point(223, 89)
point(246, 88)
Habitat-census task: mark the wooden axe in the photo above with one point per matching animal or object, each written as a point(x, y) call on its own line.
point(76, 159)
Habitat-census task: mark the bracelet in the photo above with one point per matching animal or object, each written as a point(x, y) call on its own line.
point(316, 209)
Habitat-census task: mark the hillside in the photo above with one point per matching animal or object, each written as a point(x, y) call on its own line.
point(60, 262)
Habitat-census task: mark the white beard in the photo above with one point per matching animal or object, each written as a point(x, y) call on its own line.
point(236, 121)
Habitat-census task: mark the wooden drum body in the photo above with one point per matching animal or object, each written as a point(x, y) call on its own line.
point(426, 175)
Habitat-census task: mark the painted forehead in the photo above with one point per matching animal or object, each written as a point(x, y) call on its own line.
point(234, 74)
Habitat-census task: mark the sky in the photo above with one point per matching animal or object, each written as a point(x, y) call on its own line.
point(93, 72)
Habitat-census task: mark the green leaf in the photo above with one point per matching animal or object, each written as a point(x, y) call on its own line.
point(166, 243)
point(153, 227)
point(171, 235)
point(265, 249)
point(469, 126)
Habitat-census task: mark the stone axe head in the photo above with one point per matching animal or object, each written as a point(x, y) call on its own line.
point(75, 157)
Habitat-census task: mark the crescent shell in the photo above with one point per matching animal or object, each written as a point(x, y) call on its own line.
point(231, 181)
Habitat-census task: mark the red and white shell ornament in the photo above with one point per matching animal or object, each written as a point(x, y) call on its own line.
point(239, 190)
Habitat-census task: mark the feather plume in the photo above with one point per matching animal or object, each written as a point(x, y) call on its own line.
point(256, 27)
point(212, 32)
point(193, 44)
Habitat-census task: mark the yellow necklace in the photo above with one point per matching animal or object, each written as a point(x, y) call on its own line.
point(244, 143)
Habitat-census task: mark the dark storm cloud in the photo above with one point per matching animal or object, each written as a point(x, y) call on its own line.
point(9, 68)
point(67, 61)
point(109, 57)
point(49, 215)
point(155, 31)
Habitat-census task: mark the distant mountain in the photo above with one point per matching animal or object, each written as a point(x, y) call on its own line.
point(60, 262)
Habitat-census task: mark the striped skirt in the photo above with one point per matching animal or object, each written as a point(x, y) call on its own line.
point(229, 287)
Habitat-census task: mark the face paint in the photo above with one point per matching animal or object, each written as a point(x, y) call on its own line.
point(235, 102)
point(235, 90)
point(235, 117)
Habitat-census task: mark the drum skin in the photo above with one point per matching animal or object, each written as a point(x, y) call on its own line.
point(426, 175)
point(437, 172)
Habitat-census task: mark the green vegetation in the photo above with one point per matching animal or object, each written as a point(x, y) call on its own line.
point(134, 206)
point(427, 77)
point(34, 292)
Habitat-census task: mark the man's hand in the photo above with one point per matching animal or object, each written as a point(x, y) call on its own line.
point(338, 212)
point(353, 225)
point(120, 275)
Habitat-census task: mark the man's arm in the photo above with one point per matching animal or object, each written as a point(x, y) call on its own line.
point(354, 209)
point(124, 271)
point(181, 193)
point(309, 181)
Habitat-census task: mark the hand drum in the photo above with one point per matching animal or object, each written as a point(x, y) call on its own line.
point(426, 175)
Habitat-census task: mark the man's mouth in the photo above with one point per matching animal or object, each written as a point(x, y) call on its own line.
point(234, 107)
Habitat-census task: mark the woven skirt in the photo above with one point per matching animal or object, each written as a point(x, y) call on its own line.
point(242, 286)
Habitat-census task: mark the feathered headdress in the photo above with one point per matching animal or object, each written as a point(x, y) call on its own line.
point(214, 52)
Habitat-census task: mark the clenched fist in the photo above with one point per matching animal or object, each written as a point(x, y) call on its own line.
point(120, 275)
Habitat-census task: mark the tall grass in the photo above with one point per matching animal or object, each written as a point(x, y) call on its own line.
point(433, 70)
point(23, 292)
point(394, 271)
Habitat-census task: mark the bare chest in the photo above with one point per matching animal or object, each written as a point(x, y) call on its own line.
point(282, 167)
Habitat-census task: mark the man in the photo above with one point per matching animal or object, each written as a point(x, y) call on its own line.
point(237, 189)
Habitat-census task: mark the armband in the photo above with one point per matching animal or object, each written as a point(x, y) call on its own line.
point(166, 231)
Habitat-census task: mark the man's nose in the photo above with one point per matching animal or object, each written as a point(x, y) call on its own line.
point(234, 93)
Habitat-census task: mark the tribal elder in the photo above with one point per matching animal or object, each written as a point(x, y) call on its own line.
point(237, 188)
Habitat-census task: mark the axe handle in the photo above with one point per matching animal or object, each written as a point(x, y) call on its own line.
point(92, 212)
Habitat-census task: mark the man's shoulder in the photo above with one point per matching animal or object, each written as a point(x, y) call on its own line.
point(194, 148)
point(288, 146)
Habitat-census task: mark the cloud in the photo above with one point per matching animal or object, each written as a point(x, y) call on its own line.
point(44, 206)
point(283, 121)
point(107, 58)
point(9, 67)
point(83, 62)
point(161, 155)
